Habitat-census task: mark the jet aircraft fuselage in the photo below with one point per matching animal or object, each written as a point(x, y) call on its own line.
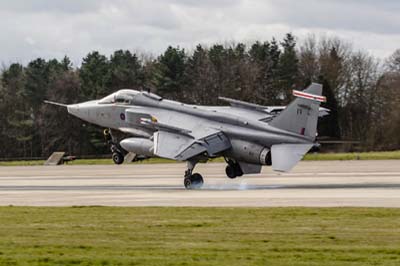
point(246, 135)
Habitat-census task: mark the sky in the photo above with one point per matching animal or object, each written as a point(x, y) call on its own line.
point(54, 28)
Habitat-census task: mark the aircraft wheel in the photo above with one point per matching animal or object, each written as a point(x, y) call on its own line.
point(188, 183)
point(195, 181)
point(118, 158)
point(238, 170)
point(230, 172)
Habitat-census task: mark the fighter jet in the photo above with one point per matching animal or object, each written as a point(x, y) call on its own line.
point(246, 135)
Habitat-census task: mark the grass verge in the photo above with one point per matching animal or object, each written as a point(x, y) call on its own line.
point(199, 236)
point(384, 155)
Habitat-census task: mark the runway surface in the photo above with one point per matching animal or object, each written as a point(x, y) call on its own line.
point(325, 183)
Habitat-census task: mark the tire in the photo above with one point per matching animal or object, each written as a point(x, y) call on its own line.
point(118, 158)
point(188, 183)
point(238, 170)
point(194, 181)
point(230, 172)
point(197, 181)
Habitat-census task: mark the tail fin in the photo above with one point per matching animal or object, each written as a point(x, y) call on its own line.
point(301, 116)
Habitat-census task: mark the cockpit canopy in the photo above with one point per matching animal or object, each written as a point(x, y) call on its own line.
point(126, 97)
point(122, 97)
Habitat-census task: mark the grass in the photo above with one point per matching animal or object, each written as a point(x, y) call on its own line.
point(387, 155)
point(384, 155)
point(199, 236)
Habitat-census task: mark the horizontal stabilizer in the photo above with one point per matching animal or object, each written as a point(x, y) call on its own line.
point(286, 156)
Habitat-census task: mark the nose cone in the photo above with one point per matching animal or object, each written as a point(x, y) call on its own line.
point(73, 109)
point(83, 111)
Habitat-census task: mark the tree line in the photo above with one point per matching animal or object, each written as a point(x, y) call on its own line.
point(362, 91)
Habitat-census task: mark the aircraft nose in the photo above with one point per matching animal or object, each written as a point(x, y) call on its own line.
point(81, 110)
point(73, 109)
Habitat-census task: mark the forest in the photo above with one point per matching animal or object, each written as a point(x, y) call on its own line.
point(363, 92)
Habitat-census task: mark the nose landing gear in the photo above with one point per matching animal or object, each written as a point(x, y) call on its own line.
point(118, 153)
point(117, 158)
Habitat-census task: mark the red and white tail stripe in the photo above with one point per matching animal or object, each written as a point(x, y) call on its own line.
point(309, 96)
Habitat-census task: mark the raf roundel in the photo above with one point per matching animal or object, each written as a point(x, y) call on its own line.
point(122, 116)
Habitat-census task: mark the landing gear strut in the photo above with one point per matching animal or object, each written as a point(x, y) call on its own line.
point(233, 169)
point(192, 181)
point(117, 151)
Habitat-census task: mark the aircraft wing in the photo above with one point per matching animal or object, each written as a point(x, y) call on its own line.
point(263, 113)
point(243, 104)
point(182, 147)
point(178, 143)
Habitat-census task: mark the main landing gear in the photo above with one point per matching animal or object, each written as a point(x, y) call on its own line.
point(117, 151)
point(195, 181)
point(192, 181)
point(233, 169)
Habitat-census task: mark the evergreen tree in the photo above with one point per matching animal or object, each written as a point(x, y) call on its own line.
point(260, 52)
point(271, 79)
point(219, 60)
point(94, 75)
point(261, 56)
point(362, 96)
point(169, 71)
point(19, 114)
point(37, 78)
point(125, 71)
point(200, 78)
point(288, 67)
point(60, 131)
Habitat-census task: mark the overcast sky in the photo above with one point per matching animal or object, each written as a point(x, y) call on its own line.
point(54, 28)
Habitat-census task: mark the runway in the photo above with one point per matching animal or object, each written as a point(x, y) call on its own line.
point(319, 184)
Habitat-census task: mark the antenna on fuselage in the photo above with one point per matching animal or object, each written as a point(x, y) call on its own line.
point(146, 89)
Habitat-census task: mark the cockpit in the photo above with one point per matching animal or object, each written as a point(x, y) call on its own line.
point(127, 96)
point(120, 97)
